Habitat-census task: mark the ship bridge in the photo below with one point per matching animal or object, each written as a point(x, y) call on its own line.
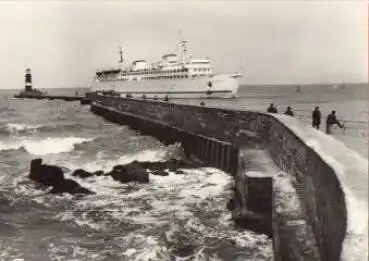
point(199, 67)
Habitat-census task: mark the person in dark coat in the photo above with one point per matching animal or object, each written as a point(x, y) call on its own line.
point(331, 120)
point(289, 111)
point(316, 116)
point(272, 109)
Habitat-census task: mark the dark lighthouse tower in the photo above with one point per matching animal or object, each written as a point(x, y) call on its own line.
point(28, 80)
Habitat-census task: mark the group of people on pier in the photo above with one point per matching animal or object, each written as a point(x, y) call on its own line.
point(316, 117)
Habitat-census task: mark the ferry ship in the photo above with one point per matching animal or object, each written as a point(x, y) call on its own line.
point(175, 76)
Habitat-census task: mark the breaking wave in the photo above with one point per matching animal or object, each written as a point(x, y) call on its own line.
point(176, 217)
point(104, 164)
point(20, 127)
point(16, 129)
point(44, 146)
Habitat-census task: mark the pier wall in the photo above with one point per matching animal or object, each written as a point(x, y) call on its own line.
point(251, 204)
point(315, 181)
point(213, 152)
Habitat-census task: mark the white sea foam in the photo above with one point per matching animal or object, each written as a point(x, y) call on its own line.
point(44, 146)
point(151, 155)
point(17, 127)
point(167, 199)
point(192, 205)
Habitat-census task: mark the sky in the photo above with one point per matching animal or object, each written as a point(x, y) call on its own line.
point(269, 42)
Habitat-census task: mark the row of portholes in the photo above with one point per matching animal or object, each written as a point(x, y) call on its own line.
point(162, 77)
point(146, 71)
point(165, 77)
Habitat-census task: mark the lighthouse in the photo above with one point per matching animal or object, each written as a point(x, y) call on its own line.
point(29, 91)
point(28, 80)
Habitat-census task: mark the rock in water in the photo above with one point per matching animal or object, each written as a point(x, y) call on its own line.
point(137, 170)
point(53, 176)
point(82, 173)
point(171, 165)
point(180, 171)
point(48, 175)
point(130, 172)
point(99, 173)
point(160, 173)
point(36, 165)
point(70, 186)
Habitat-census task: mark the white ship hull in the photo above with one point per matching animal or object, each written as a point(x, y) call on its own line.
point(221, 86)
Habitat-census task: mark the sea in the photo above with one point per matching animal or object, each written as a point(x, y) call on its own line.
point(175, 217)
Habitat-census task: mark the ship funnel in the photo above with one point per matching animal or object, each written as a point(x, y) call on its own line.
point(28, 80)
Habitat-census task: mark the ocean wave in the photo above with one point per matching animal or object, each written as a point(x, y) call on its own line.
point(23, 128)
point(190, 207)
point(174, 217)
point(44, 146)
point(15, 129)
point(170, 203)
point(19, 127)
point(102, 163)
point(7, 111)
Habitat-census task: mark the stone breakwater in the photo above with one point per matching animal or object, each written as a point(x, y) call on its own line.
point(215, 153)
point(316, 183)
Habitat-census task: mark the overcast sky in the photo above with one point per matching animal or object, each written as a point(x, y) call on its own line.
point(269, 42)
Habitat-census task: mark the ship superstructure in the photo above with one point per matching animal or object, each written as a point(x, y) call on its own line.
point(174, 76)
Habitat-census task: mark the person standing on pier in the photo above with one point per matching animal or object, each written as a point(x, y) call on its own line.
point(316, 118)
point(272, 109)
point(331, 120)
point(289, 111)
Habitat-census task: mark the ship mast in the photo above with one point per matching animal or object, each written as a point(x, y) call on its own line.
point(184, 48)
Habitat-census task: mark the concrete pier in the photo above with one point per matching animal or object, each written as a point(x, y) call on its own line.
point(83, 100)
point(321, 229)
point(212, 152)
